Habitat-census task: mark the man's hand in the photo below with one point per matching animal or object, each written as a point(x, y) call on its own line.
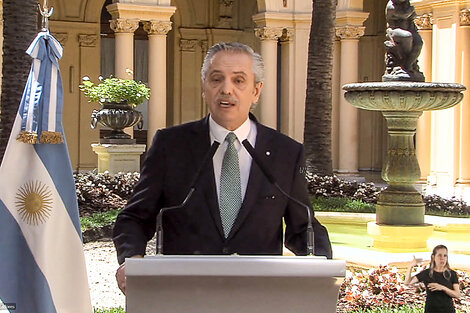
point(121, 275)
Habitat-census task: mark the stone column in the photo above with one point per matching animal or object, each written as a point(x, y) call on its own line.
point(464, 155)
point(348, 161)
point(124, 50)
point(268, 105)
point(446, 67)
point(335, 99)
point(124, 45)
point(157, 31)
point(423, 132)
point(287, 82)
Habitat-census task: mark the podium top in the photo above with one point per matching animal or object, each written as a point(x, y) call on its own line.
point(234, 265)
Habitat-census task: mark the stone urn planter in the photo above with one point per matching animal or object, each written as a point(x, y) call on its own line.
point(117, 116)
point(118, 98)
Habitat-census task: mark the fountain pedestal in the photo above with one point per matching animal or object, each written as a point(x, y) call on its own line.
point(400, 203)
point(399, 222)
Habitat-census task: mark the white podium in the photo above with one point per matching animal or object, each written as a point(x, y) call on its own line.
point(233, 284)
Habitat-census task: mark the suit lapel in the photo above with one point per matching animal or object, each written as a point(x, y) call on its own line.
point(256, 178)
point(199, 147)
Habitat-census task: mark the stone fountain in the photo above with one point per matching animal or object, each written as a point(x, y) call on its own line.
point(402, 96)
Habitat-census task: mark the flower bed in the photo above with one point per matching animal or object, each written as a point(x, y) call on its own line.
point(384, 287)
point(334, 187)
point(102, 192)
point(99, 192)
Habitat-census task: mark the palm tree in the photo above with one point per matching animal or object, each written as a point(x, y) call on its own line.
point(317, 130)
point(19, 29)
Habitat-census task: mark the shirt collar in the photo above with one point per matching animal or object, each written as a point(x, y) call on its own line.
point(219, 132)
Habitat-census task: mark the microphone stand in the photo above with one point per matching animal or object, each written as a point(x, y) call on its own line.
point(272, 180)
point(159, 226)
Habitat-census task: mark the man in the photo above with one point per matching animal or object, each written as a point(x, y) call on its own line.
point(234, 208)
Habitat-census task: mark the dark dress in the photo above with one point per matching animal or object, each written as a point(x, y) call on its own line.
point(438, 301)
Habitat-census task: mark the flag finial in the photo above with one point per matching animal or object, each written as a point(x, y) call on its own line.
point(46, 13)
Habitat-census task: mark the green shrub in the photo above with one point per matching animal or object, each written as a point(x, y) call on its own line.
point(436, 205)
point(99, 219)
point(337, 204)
point(101, 192)
point(332, 187)
point(113, 89)
point(109, 310)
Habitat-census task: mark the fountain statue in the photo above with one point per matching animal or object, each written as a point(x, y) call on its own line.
point(404, 44)
point(402, 96)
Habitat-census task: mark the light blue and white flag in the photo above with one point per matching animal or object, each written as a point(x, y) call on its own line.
point(41, 105)
point(42, 264)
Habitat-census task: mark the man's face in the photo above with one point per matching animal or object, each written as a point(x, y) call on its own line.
point(230, 89)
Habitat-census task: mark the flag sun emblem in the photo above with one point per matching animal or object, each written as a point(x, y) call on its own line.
point(34, 202)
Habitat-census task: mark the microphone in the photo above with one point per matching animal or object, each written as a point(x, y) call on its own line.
point(272, 180)
point(207, 157)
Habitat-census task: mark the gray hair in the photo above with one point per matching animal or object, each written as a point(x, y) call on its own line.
point(236, 47)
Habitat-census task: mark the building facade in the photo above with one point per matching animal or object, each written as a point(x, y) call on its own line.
point(164, 41)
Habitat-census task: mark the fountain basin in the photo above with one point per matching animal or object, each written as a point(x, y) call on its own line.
point(403, 96)
point(400, 207)
point(351, 230)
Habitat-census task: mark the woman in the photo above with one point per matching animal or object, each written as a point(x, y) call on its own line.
point(441, 282)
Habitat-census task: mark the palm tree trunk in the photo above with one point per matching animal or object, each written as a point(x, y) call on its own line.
point(317, 131)
point(19, 29)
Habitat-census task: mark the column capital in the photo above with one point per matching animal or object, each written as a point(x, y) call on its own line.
point(287, 34)
point(87, 40)
point(62, 37)
point(268, 33)
point(188, 44)
point(156, 27)
point(465, 17)
point(424, 21)
point(350, 32)
point(122, 25)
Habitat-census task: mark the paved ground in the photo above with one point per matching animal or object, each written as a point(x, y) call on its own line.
point(101, 265)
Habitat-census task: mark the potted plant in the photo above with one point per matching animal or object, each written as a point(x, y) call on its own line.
point(118, 98)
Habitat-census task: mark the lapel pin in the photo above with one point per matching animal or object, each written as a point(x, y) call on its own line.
point(268, 153)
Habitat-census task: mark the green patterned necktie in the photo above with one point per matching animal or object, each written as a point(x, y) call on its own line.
point(230, 186)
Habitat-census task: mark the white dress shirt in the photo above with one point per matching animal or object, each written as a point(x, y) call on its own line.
point(246, 131)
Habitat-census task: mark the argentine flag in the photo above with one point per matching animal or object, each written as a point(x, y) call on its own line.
point(42, 264)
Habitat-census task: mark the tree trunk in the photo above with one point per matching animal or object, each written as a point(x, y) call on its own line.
point(19, 30)
point(317, 131)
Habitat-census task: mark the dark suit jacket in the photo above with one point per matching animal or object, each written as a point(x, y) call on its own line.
point(170, 166)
